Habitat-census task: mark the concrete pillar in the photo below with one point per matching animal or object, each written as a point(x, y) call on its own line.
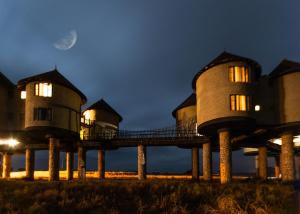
point(262, 162)
point(6, 165)
point(225, 156)
point(207, 161)
point(69, 165)
point(195, 163)
point(53, 159)
point(256, 166)
point(101, 163)
point(287, 157)
point(1, 165)
point(142, 160)
point(29, 159)
point(81, 163)
point(277, 167)
point(298, 166)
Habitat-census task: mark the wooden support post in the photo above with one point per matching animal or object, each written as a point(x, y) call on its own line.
point(195, 163)
point(277, 167)
point(69, 165)
point(142, 159)
point(53, 159)
point(101, 163)
point(29, 156)
point(6, 165)
point(225, 156)
point(287, 157)
point(207, 161)
point(263, 162)
point(81, 163)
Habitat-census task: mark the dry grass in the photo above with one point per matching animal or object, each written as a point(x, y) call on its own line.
point(43, 175)
point(127, 196)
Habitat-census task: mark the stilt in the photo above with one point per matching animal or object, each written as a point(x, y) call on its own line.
point(287, 157)
point(142, 159)
point(101, 163)
point(195, 163)
point(207, 162)
point(6, 165)
point(1, 165)
point(225, 156)
point(263, 162)
point(53, 159)
point(69, 165)
point(29, 163)
point(256, 166)
point(81, 163)
point(277, 167)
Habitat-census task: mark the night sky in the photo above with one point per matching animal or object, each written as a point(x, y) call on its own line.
point(141, 56)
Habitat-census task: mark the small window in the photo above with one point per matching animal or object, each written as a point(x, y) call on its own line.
point(239, 103)
point(42, 114)
point(43, 89)
point(239, 74)
point(23, 95)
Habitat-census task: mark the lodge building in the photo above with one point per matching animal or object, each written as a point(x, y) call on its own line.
point(232, 105)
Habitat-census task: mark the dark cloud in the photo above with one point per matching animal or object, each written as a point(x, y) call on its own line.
point(141, 56)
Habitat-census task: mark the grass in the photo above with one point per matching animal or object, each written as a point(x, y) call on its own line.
point(154, 196)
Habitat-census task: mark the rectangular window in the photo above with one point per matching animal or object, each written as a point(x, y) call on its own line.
point(239, 103)
point(43, 89)
point(239, 74)
point(42, 114)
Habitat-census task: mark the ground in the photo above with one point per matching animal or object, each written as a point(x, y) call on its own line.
point(151, 196)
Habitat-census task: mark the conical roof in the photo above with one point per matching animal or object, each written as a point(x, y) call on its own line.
point(226, 57)
point(284, 67)
point(190, 101)
point(4, 80)
point(54, 77)
point(102, 105)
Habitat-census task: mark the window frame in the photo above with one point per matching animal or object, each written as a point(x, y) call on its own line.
point(232, 74)
point(42, 114)
point(235, 102)
point(37, 89)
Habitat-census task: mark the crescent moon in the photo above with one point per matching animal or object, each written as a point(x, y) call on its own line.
point(66, 42)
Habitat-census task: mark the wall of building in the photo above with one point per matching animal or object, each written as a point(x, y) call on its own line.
point(287, 98)
point(65, 104)
point(264, 97)
point(213, 90)
point(186, 117)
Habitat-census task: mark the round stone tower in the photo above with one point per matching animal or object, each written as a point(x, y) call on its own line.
point(285, 79)
point(52, 116)
point(224, 91)
point(52, 105)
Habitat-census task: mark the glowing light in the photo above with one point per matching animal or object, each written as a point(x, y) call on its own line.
point(23, 95)
point(257, 107)
point(278, 141)
point(10, 142)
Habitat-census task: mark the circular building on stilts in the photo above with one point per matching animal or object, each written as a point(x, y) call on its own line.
point(224, 90)
point(185, 115)
point(52, 119)
point(100, 121)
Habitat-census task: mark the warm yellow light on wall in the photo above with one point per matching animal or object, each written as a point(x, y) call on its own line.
point(10, 142)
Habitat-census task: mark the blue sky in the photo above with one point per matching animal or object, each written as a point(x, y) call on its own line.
point(141, 56)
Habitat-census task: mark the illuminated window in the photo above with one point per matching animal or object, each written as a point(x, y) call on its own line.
point(42, 114)
point(43, 89)
point(239, 74)
point(239, 103)
point(23, 95)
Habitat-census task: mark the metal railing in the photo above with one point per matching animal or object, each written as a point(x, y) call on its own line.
point(168, 132)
